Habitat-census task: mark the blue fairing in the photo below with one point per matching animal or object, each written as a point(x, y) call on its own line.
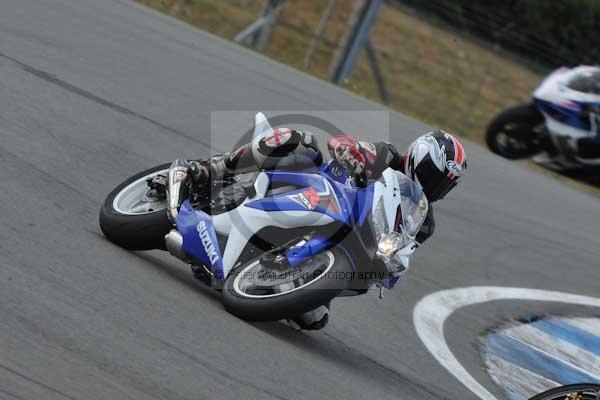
point(363, 202)
point(200, 238)
point(347, 203)
point(298, 178)
point(335, 172)
point(326, 190)
point(569, 115)
point(359, 199)
point(391, 282)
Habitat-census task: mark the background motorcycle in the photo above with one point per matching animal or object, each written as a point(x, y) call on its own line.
point(276, 243)
point(565, 107)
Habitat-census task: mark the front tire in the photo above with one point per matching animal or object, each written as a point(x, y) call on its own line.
point(257, 306)
point(586, 391)
point(135, 229)
point(515, 132)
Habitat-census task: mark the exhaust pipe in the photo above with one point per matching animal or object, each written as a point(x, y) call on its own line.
point(174, 243)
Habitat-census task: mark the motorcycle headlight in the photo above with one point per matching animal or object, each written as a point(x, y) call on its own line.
point(390, 249)
point(389, 243)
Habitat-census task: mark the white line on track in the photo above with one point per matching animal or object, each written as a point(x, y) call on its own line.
point(433, 310)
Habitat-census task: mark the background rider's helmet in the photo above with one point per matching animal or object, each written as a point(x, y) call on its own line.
point(436, 161)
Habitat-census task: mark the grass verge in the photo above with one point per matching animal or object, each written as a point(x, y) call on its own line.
point(443, 78)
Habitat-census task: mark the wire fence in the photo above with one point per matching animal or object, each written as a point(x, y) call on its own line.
point(559, 32)
point(443, 76)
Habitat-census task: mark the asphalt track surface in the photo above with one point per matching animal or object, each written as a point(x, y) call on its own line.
point(93, 91)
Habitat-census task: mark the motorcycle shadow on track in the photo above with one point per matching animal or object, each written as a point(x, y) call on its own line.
point(323, 345)
point(174, 271)
point(327, 347)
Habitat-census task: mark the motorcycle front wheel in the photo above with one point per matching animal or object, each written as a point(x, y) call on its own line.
point(515, 132)
point(581, 391)
point(257, 291)
point(134, 216)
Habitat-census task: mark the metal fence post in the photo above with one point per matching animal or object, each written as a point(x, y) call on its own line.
point(318, 33)
point(356, 37)
point(372, 55)
point(257, 33)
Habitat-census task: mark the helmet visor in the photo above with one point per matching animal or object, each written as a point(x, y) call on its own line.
point(435, 183)
point(442, 189)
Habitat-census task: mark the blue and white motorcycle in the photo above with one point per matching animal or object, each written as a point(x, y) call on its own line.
point(559, 128)
point(277, 243)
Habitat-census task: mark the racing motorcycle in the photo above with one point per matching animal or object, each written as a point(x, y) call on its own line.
point(276, 243)
point(565, 108)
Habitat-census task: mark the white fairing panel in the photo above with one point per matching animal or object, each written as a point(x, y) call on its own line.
point(241, 223)
point(554, 88)
point(560, 129)
point(390, 192)
point(262, 127)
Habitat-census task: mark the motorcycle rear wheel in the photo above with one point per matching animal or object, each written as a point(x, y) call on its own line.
point(246, 296)
point(131, 220)
point(515, 132)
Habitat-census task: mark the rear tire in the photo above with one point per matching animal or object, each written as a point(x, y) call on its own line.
point(517, 126)
point(318, 292)
point(134, 232)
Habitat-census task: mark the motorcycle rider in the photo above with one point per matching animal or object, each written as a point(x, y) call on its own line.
point(435, 160)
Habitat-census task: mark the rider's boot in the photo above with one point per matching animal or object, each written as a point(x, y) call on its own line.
point(311, 320)
point(219, 167)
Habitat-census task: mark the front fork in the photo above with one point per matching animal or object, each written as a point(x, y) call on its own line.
point(295, 252)
point(306, 249)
